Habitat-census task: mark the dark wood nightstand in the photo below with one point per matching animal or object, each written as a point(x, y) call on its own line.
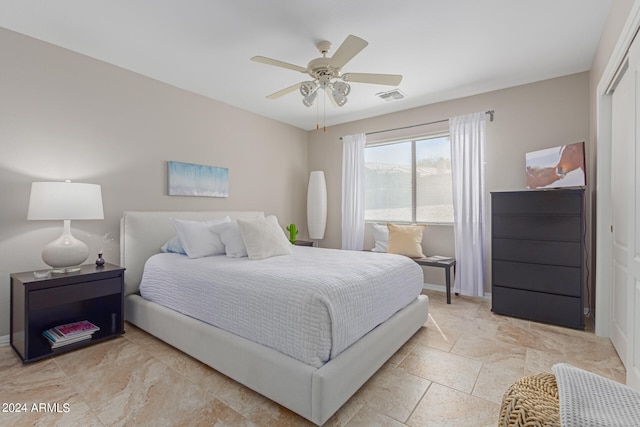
point(94, 293)
point(303, 243)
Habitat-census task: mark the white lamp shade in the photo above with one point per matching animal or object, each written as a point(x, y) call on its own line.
point(317, 205)
point(65, 200)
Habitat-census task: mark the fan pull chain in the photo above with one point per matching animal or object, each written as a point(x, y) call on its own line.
point(324, 111)
point(317, 115)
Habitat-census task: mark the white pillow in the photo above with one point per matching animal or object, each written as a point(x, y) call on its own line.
point(197, 239)
point(263, 237)
point(230, 235)
point(380, 237)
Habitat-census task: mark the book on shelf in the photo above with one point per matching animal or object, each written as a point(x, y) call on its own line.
point(69, 333)
point(57, 344)
point(438, 258)
point(76, 328)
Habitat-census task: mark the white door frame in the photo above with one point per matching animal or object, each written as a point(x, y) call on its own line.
point(604, 243)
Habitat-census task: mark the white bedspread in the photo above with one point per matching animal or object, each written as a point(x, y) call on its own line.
point(590, 400)
point(310, 305)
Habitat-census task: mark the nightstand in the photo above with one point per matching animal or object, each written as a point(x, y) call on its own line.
point(94, 293)
point(303, 243)
point(447, 264)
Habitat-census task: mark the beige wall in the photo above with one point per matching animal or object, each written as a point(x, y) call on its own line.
point(66, 116)
point(527, 118)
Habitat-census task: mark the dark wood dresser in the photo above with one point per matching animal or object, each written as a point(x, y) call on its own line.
point(537, 240)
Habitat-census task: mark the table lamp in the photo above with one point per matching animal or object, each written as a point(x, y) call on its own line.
point(65, 201)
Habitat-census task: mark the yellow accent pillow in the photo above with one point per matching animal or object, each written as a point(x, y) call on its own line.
point(406, 240)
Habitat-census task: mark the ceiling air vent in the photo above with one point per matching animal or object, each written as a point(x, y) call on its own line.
point(392, 95)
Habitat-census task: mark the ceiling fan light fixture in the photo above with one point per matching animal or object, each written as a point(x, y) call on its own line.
point(339, 99)
point(308, 88)
point(342, 88)
point(326, 73)
point(339, 93)
point(308, 100)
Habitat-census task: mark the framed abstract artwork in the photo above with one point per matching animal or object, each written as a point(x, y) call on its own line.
point(187, 179)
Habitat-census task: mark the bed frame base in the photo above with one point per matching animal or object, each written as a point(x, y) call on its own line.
point(314, 393)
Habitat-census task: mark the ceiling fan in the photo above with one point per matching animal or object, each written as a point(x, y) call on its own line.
point(327, 73)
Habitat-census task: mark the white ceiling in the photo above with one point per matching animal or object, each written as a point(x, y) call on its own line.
point(445, 49)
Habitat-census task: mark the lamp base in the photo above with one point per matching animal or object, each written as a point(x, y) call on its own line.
point(66, 253)
point(65, 270)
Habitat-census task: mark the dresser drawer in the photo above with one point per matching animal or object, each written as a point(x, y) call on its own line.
point(538, 277)
point(71, 293)
point(538, 306)
point(537, 202)
point(538, 227)
point(538, 252)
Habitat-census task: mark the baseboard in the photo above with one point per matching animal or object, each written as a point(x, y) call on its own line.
point(443, 289)
point(439, 288)
point(4, 339)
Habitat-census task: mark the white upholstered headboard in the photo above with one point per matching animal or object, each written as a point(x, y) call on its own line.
point(143, 232)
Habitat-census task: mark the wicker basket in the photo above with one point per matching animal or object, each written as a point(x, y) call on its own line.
point(532, 401)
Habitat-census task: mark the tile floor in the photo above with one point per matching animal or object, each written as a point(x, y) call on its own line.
point(452, 372)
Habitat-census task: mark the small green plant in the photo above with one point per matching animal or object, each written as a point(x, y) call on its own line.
point(293, 232)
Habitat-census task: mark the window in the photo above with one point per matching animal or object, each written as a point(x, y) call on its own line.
point(409, 181)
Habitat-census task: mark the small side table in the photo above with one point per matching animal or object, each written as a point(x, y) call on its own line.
point(94, 293)
point(447, 264)
point(303, 243)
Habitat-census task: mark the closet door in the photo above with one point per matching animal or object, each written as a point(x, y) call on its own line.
point(633, 365)
point(625, 198)
point(623, 114)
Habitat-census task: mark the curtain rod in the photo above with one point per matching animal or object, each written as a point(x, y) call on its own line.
point(490, 113)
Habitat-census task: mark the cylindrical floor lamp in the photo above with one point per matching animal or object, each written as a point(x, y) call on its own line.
point(317, 205)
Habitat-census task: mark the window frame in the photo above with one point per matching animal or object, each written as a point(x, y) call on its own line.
point(413, 140)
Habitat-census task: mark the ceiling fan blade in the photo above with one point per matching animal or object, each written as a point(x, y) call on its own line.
point(277, 63)
point(377, 79)
point(349, 48)
point(284, 91)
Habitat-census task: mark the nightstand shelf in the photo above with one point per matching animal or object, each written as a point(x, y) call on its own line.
point(94, 293)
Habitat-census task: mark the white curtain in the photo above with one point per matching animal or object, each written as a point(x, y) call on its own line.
point(468, 175)
point(353, 191)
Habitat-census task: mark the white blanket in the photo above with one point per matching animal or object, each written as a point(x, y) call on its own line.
point(589, 400)
point(310, 305)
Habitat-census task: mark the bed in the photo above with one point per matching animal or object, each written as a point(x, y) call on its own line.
point(313, 389)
